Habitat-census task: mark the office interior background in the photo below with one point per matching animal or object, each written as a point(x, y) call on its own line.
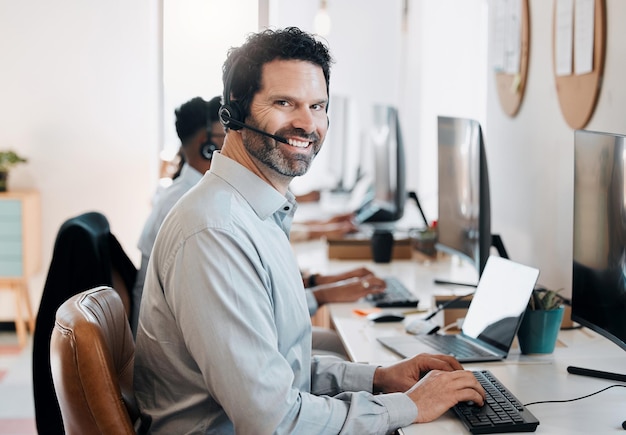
point(88, 91)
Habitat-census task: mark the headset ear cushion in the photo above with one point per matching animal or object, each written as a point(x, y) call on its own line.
point(231, 112)
point(207, 149)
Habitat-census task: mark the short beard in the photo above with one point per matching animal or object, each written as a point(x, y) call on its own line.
point(268, 152)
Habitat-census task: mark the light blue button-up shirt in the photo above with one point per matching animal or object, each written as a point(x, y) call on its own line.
point(224, 338)
point(188, 178)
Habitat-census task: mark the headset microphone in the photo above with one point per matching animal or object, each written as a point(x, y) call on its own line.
point(230, 122)
point(232, 113)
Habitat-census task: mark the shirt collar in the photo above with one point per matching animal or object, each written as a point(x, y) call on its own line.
point(263, 198)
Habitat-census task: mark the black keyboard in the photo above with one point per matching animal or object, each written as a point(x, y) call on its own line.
point(502, 412)
point(395, 295)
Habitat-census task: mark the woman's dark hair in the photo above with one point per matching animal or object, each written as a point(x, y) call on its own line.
point(241, 73)
point(191, 117)
point(195, 115)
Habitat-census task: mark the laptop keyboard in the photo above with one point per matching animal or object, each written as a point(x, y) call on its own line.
point(501, 413)
point(452, 345)
point(395, 295)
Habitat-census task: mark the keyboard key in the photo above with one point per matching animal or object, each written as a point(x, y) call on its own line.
point(452, 345)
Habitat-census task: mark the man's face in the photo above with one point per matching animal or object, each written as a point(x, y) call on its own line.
point(291, 103)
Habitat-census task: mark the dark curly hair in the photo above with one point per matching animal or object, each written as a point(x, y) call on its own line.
point(194, 115)
point(246, 61)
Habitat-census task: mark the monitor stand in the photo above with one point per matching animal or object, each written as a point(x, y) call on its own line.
point(596, 373)
point(496, 242)
point(413, 195)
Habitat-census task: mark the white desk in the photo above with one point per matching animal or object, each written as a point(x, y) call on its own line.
point(530, 378)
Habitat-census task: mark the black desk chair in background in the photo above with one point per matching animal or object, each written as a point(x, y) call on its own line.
point(85, 255)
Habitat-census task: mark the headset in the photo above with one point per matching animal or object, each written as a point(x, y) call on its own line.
point(232, 114)
point(208, 147)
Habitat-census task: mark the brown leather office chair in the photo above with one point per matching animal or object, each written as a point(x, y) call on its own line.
point(92, 353)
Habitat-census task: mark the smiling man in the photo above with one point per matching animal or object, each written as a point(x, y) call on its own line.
point(224, 336)
point(292, 103)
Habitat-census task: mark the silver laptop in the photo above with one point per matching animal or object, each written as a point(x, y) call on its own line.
point(491, 322)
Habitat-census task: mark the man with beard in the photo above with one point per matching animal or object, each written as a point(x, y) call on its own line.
point(224, 338)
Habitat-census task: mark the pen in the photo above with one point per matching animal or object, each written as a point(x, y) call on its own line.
point(418, 311)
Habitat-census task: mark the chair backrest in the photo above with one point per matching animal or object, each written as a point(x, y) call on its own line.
point(86, 254)
point(92, 353)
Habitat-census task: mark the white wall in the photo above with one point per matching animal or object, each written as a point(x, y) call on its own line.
point(196, 37)
point(80, 99)
point(446, 76)
point(531, 156)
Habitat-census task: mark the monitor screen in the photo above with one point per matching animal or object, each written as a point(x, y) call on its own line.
point(384, 169)
point(599, 234)
point(343, 143)
point(464, 221)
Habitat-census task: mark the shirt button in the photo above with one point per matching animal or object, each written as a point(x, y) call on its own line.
point(286, 208)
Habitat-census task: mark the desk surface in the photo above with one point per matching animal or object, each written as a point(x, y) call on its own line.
point(531, 378)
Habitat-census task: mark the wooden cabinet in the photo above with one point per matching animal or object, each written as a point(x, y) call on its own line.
point(20, 252)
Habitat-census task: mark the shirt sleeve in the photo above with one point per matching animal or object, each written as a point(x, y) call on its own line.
point(334, 377)
point(237, 347)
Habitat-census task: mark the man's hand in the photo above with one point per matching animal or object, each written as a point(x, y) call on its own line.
point(439, 391)
point(435, 383)
point(359, 272)
point(334, 228)
point(348, 290)
point(403, 375)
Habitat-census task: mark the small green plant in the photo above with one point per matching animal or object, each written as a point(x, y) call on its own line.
point(544, 299)
point(8, 159)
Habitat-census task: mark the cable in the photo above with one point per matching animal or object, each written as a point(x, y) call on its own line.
point(458, 324)
point(447, 304)
point(577, 398)
point(425, 326)
point(444, 282)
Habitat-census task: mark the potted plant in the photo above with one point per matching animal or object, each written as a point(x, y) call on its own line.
point(8, 159)
point(541, 322)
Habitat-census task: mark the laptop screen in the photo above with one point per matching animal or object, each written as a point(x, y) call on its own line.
point(500, 300)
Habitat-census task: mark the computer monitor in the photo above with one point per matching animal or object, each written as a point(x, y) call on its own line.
point(384, 169)
point(343, 143)
point(464, 213)
point(599, 234)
